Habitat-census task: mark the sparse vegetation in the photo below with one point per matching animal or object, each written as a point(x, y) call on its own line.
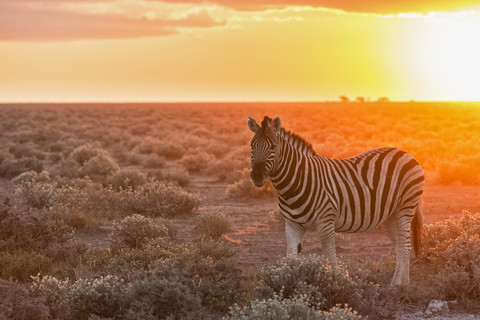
point(100, 222)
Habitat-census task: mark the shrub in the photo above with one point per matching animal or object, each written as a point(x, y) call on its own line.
point(32, 231)
point(66, 168)
point(325, 283)
point(125, 261)
point(36, 195)
point(10, 168)
point(164, 298)
point(244, 187)
point(285, 309)
point(98, 167)
point(21, 265)
point(177, 176)
point(53, 291)
point(212, 224)
point(16, 303)
point(196, 162)
point(85, 152)
point(170, 150)
point(32, 176)
point(454, 247)
point(89, 161)
point(26, 151)
point(127, 179)
point(153, 162)
point(104, 297)
point(136, 230)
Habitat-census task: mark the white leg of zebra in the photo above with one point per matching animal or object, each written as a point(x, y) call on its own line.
point(294, 233)
point(390, 228)
point(327, 238)
point(402, 248)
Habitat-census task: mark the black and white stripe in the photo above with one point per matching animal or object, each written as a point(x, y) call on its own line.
point(379, 187)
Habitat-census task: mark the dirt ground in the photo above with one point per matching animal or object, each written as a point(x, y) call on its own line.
point(261, 236)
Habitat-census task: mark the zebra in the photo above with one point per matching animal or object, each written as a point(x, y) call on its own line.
point(382, 186)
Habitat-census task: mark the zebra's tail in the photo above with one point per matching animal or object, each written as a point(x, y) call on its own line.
point(416, 228)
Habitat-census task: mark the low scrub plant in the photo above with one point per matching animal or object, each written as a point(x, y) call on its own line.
point(244, 187)
point(10, 168)
point(197, 162)
point(103, 297)
point(136, 230)
point(324, 284)
point(17, 303)
point(212, 224)
point(127, 179)
point(453, 245)
point(21, 265)
point(278, 308)
point(178, 176)
point(34, 230)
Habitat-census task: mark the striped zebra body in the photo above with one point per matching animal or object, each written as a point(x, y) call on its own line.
point(379, 187)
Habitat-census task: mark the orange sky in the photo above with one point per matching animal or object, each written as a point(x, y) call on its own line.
point(238, 50)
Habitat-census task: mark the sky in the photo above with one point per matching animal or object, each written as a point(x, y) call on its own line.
point(238, 50)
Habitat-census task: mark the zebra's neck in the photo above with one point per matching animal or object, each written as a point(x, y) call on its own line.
point(289, 170)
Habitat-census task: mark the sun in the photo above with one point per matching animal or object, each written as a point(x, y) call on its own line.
point(448, 54)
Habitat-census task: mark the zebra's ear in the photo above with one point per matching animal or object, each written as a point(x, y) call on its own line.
point(276, 125)
point(252, 124)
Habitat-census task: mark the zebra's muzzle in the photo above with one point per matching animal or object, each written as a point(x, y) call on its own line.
point(258, 175)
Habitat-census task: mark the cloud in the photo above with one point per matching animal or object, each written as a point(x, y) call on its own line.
point(367, 6)
point(26, 21)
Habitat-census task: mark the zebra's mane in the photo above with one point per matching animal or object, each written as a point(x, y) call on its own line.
point(293, 139)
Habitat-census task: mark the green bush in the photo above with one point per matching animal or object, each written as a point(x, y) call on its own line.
point(16, 303)
point(136, 230)
point(212, 224)
point(325, 283)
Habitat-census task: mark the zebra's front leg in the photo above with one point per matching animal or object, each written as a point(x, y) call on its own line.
point(327, 234)
point(294, 233)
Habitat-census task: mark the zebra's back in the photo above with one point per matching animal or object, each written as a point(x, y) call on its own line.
point(368, 188)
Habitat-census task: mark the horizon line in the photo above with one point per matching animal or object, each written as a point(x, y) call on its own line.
point(231, 101)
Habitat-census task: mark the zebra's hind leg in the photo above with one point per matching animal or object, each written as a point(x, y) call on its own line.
point(294, 234)
point(403, 220)
point(390, 228)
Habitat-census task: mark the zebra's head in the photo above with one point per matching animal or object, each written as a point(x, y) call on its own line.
point(265, 148)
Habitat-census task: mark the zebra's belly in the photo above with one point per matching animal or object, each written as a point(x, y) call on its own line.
point(352, 223)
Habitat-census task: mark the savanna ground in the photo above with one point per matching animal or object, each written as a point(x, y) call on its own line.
point(94, 172)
